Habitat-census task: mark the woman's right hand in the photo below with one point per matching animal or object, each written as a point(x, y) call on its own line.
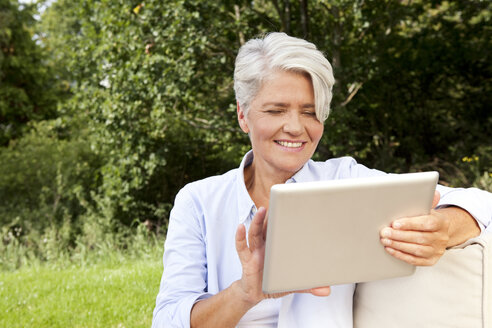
point(227, 307)
point(252, 259)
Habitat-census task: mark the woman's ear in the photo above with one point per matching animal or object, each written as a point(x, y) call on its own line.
point(241, 117)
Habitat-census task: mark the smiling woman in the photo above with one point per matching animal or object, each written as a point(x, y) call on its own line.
point(283, 130)
point(215, 246)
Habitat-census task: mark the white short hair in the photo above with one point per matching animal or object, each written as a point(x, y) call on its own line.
point(257, 58)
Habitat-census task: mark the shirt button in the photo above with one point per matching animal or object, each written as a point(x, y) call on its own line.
point(253, 210)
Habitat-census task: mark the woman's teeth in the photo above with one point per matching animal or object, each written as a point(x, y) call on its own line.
point(290, 144)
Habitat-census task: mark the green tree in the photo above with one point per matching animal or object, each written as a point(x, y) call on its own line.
point(108, 108)
point(413, 82)
point(29, 90)
point(153, 81)
point(155, 88)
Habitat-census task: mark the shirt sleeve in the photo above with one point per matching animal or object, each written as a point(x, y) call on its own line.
point(475, 201)
point(184, 280)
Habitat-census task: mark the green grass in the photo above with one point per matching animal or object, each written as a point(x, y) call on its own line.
point(100, 295)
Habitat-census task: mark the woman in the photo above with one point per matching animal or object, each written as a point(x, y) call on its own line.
point(214, 249)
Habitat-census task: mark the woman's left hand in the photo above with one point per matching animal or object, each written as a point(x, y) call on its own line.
point(419, 240)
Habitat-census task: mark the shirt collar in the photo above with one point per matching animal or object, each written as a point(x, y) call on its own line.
point(305, 174)
point(245, 204)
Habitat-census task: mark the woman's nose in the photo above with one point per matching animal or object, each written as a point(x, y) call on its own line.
point(293, 124)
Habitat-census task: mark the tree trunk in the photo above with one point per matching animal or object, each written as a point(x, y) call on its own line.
point(303, 6)
point(238, 19)
point(336, 35)
point(287, 16)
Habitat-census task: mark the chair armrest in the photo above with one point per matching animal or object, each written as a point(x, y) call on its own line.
point(455, 292)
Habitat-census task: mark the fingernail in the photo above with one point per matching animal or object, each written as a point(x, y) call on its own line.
point(386, 241)
point(397, 225)
point(386, 232)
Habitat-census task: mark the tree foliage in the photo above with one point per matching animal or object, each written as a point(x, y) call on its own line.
point(151, 103)
point(29, 90)
point(424, 76)
point(151, 82)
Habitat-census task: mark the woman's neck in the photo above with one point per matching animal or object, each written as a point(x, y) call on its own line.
point(259, 182)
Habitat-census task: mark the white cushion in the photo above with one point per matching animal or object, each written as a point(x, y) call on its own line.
point(455, 292)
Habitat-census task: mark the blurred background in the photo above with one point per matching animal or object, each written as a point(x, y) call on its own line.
point(107, 108)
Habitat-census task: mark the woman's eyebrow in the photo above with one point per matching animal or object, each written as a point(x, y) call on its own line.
point(275, 104)
point(281, 104)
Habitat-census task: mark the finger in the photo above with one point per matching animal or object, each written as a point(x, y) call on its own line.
point(418, 223)
point(318, 291)
point(414, 237)
point(265, 224)
point(416, 250)
point(321, 291)
point(435, 200)
point(420, 261)
point(255, 233)
point(241, 245)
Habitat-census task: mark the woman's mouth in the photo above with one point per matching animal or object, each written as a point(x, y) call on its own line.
point(289, 144)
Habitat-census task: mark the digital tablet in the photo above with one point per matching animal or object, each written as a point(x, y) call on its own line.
point(327, 232)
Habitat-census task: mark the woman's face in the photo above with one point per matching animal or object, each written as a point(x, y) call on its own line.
point(282, 124)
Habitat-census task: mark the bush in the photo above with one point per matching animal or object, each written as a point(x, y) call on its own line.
point(44, 182)
point(43, 177)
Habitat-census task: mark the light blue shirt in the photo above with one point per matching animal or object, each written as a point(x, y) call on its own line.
point(200, 257)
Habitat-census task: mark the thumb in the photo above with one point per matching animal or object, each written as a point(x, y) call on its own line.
point(437, 197)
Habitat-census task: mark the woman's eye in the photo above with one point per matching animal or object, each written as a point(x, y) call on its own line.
point(274, 111)
point(310, 113)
